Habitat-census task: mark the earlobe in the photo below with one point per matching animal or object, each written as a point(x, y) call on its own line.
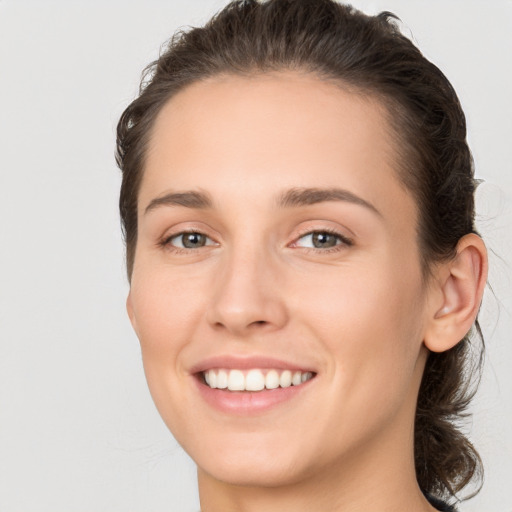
point(461, 283)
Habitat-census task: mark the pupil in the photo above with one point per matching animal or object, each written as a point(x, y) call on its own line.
point(192, 240)
point(323, 240)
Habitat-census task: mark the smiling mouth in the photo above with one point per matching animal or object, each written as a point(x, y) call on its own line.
point(254, 379)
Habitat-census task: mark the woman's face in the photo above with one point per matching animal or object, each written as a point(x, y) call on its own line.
point(274, 238)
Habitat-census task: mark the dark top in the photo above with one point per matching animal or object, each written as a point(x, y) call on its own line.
point(440, 505)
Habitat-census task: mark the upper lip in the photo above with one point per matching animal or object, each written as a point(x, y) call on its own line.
point(230, 362)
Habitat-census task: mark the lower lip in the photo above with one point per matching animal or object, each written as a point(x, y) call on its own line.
point(249, 402)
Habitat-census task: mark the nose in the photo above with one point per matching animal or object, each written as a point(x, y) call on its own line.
point(248, 295)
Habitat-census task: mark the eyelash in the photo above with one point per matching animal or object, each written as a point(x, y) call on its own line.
point(344, 241)
point(166, 242)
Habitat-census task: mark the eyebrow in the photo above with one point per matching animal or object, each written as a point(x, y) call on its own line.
point(296, 197)
point(188, 199)
point(291, 198)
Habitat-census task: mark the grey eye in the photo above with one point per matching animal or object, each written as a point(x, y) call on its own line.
point(319, 240)
point(190, 240)
point(323, 240)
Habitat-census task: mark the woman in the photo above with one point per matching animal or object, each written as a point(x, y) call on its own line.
point(297, 204)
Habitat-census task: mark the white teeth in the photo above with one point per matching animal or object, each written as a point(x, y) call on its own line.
point(212, 379)
point(222, 379)
point(236, 380)
point(286, 379)
point(255, 379)
point(272, 380)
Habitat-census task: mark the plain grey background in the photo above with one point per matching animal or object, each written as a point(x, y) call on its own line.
point(78, 430)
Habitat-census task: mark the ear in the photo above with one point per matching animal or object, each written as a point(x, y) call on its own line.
point(131, 313)
point(459, 287)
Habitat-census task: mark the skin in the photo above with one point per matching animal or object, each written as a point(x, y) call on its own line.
point(360, 313)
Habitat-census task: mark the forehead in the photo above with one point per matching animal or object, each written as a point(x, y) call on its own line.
point(270, 110)
point(273, 131)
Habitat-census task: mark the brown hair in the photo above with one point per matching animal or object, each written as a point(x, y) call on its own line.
point(369, 55)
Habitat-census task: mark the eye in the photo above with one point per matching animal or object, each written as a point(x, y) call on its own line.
point(189, 240)
point(322, 240)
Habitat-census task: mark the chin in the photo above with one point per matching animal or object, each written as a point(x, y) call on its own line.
point(247, 473)
point(258, 463)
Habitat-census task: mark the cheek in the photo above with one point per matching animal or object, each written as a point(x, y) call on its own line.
point(370, 322)
point(165, 304)
point(357, 301)
point(167, 310)
point(374, 344)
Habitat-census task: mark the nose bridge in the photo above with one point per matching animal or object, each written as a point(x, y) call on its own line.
point(247, 291)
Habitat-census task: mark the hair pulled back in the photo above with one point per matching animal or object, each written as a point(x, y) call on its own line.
point(370, 56)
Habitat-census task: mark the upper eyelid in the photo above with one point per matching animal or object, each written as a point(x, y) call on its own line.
point(332, 231)
point(329, 232)
point(168, 238)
